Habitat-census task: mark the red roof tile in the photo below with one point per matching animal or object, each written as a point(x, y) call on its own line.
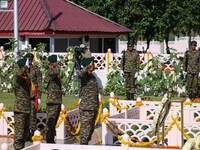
point(58, 16)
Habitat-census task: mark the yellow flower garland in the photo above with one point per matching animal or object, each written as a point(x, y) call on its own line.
point(144, 143)
point(138, 103)
point(188, 103)
point(114, 104)
point(1, 114)
point(63, 118)
point(37, 138)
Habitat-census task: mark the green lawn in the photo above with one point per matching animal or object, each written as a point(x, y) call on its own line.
point(70, 101)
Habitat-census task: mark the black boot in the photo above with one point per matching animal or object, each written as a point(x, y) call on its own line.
point(31, 135)
point(132, 96)
point(128, 96)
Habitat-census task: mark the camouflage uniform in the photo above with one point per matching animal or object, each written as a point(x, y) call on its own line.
point(54, 101)
point(130, 65)
point(191, 64)
point(89, 104)
point(21, 108)
point(36, 77)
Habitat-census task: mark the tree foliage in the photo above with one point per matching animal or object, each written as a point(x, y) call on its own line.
point(150, 19)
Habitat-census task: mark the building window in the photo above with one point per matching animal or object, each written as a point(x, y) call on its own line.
point(35, 41)
point(75, 42)
point(4, 4)
point(60, 45)
point(109, 43)
point(3, 42)
point(96, 45)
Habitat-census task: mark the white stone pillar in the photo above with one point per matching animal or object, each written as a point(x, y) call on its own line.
point(107, 135)
point(126, 138)
point(61, 129)
point(1, 121)
point(112, 108)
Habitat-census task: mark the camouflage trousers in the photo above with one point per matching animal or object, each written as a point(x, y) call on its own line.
point(130, 82)
point(192, 81)
point(87, 119)
point(22, 121)
point(53, 111)
point(33, 117)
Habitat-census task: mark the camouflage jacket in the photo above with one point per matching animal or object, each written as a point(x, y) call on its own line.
point(35, 76)
point(130, 61)
point(191, 62)
point(54, 91)
point(22, 92)
point(89, 90)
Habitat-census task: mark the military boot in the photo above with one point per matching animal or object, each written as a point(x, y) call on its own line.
point(132, 96)
point(128, 96)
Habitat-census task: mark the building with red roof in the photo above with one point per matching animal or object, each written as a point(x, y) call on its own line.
point(60, 24)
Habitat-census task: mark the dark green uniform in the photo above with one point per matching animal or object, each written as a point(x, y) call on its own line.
point(36, 77)
point(54, 101)
point(191, 64)
point(130, 65)
point(21, 108)
point(89, 104)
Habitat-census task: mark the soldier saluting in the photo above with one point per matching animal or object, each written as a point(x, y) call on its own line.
point(191, 68)
point(89, 104)
point(35, 76)
point(54, 96)
point(130, 65)
point(22, 104)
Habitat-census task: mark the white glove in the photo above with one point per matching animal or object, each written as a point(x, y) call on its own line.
point(121, 73)
point(39, 101)
point(136, 75)
point(27, 63)
point(184, 73)
point(199, 74)
point(58, 59)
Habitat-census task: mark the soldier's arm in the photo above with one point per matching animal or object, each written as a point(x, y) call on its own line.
point(53, 72)
point(39, 81)
point(122, 61)
point(83, 71)
point(184, 62)
point(138, 62)
point(22, 71)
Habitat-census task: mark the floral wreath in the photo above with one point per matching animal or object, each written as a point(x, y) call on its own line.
point(161, 113)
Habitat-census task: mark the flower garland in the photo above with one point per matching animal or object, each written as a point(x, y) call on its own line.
point(161, 113)
point(37, 138)
point(63, 116)
point(114, 103)
point(187, 136)
point(188, 103)
point(138, 103)
point(136, 144)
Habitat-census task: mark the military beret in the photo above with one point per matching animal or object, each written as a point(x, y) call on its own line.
point(87, 61)
point(193, 43)
point(130, 43)
point(52, 58)
point(29, 55)
point(21, 62)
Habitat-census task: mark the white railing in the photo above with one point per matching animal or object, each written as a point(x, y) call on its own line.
point(138, 123)
point(61, 132)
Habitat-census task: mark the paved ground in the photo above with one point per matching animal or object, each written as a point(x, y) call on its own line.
point(96, 140)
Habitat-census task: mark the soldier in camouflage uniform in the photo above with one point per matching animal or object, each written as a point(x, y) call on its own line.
point(191, 68)
point(22, 104)
point(54, 97)
point(35, 76)
point(89, 104)
point(130, 65)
